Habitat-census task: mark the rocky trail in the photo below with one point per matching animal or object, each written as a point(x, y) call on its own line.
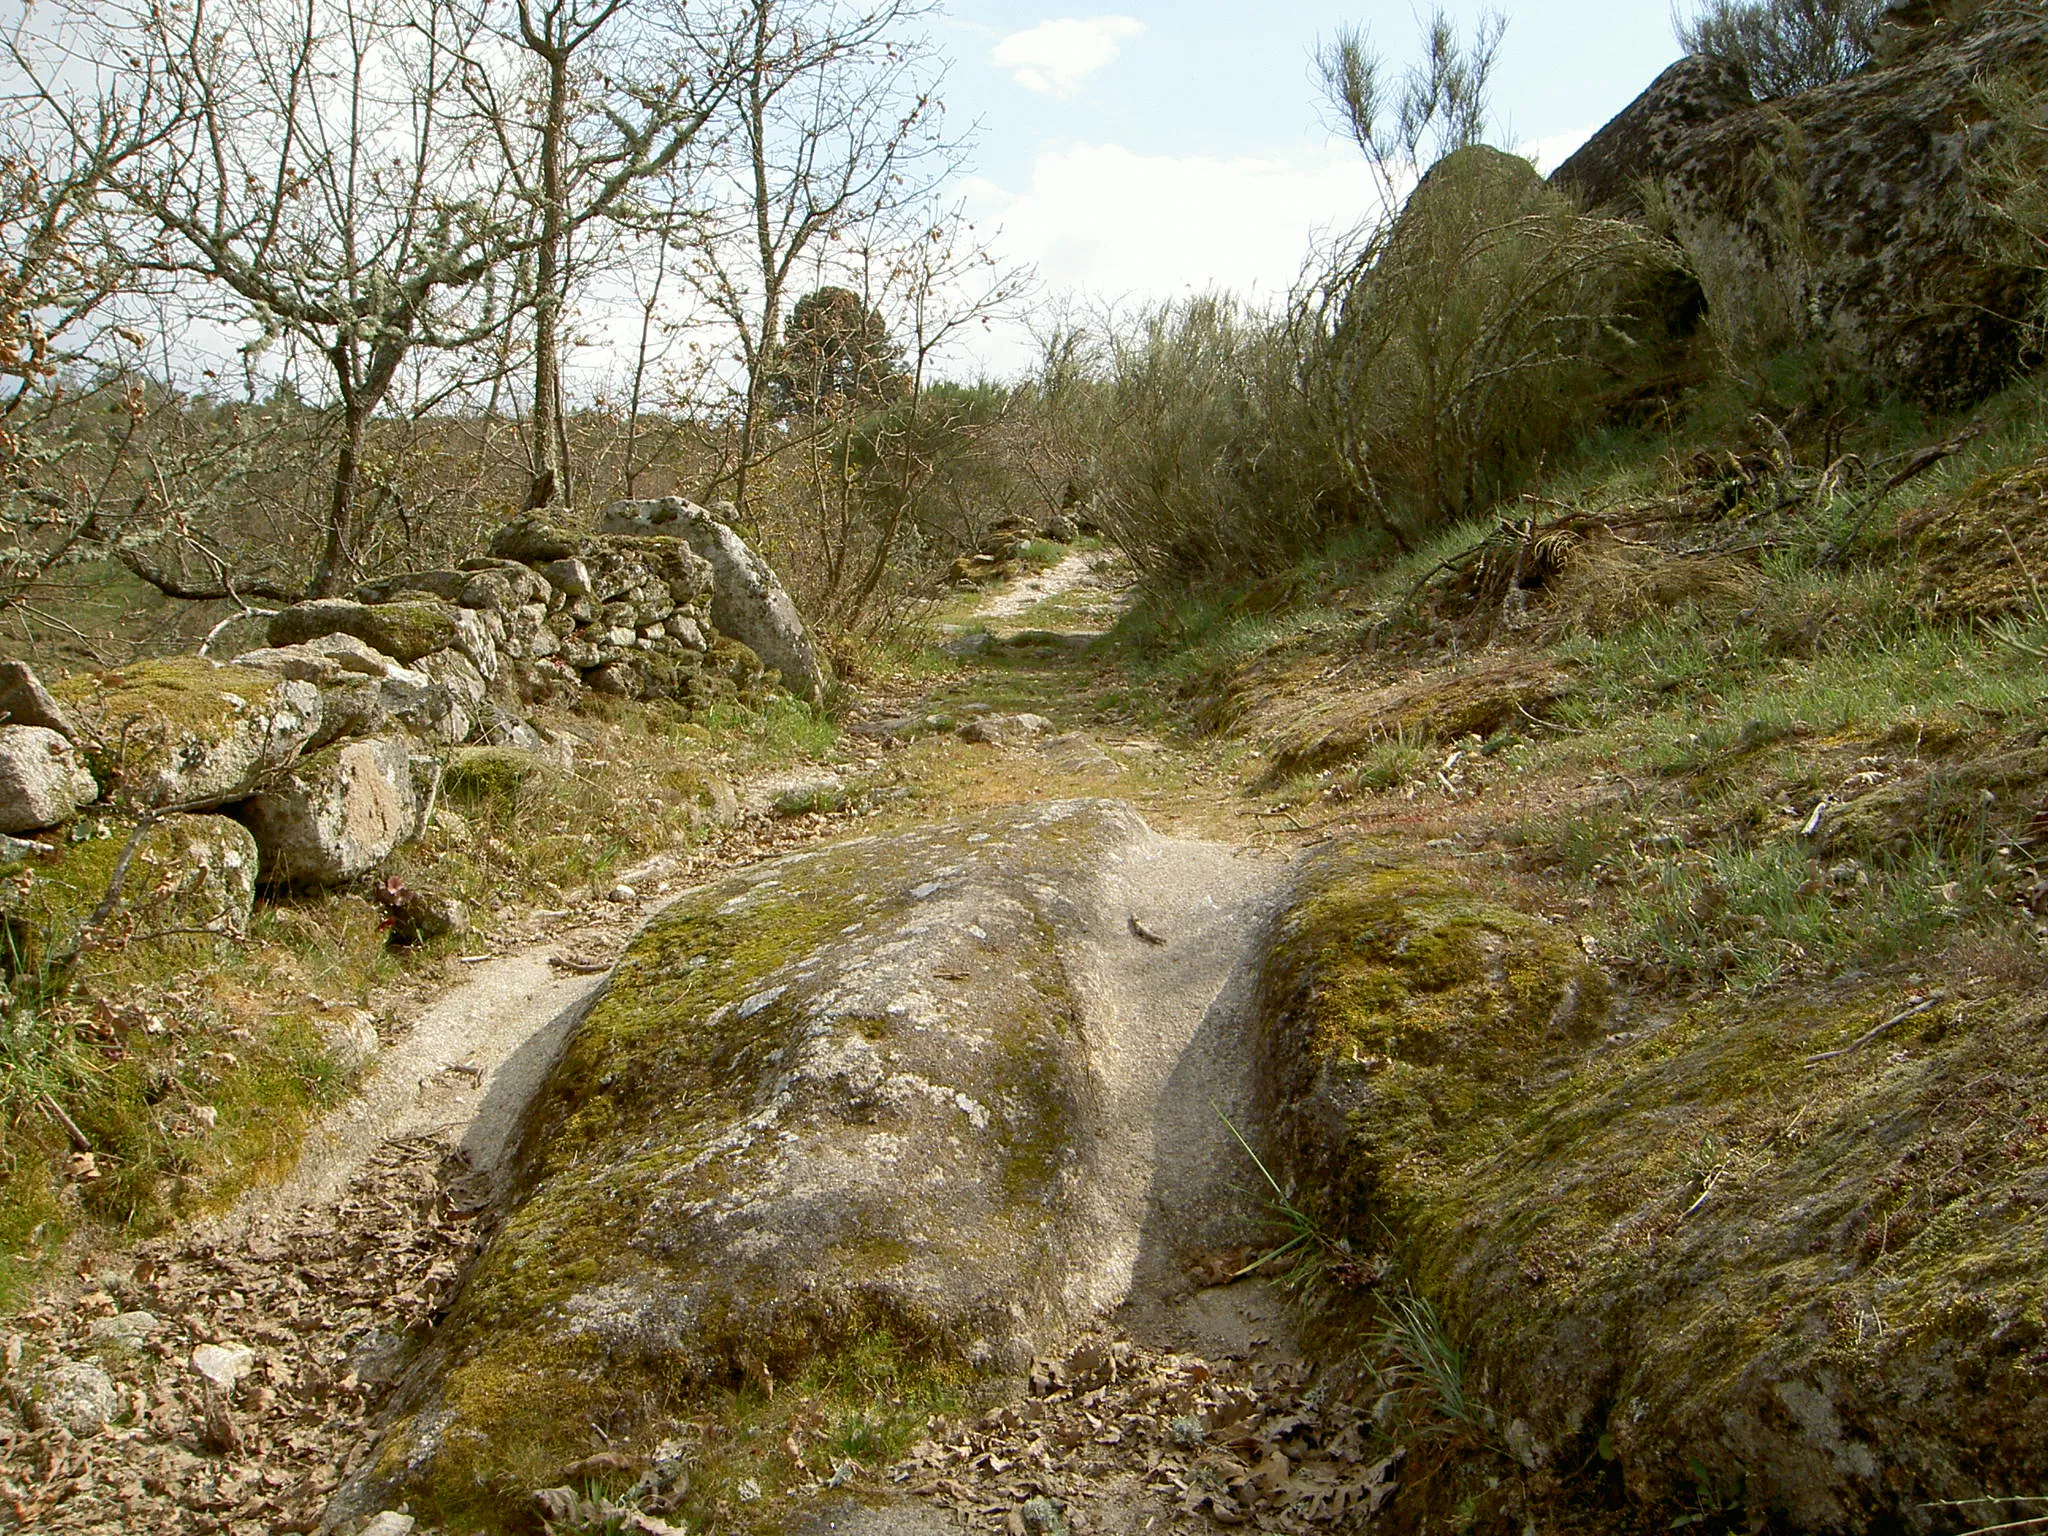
point(271, 1335)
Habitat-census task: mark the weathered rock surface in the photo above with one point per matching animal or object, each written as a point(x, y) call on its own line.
point(189, 874)
point(405, 629)
point(1844, 210)
point(340, 812)
point(79, 1397)
point(363, 691)
point(1696, 1247)
point(184, 731)
point(859, 1099)
point(748, 600)
point(41, 780)
point(25, 701)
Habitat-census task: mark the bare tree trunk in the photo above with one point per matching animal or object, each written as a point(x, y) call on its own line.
point(631, 470)
point(337, 557)
point(550, 440)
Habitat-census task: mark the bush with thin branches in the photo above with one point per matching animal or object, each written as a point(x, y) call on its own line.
point(1785, 46)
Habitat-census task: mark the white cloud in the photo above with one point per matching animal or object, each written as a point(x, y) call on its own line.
point(1106, 220)
point(1054, 57)
point(1106, 223)
point(1552, 151)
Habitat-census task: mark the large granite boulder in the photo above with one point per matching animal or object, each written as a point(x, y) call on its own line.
point(1842, 217)
point(1730, 1252)
point(41, 780)
point(748, 600)
point(849, 1106)
point(340, 812)
point(185, 732)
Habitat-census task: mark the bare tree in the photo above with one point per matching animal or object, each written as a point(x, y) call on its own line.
point(63, 349)
point(614, 99)
point(833, 127)
point(319, 181)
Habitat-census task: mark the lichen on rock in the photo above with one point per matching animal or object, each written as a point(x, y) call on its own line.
point(184, 731)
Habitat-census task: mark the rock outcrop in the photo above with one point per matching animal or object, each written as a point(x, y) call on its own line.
point(1711, 1251)
point(748, 601)
point(850, 1104)
point(1842, 218)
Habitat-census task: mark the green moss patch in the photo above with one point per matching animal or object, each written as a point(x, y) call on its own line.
point(405, 630)
point(476, 776)
point(1748, 1242)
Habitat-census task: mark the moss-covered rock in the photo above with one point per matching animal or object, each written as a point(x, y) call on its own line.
point(838, 1105)
point(405, 629)
point(1965, 805)
point(1322, 728)
point(184, 731)
point(1980, 553)
point(489, 775)
point(187, 873)
point(1688, 1256)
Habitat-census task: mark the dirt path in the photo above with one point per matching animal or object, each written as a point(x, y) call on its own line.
point(1076, 571)
point(310, 1285)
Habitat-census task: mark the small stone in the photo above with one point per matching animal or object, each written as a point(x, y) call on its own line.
point(349, 1036)
point(622, 894)
point(126, 1332)
point(223, 1364)
point(419, 916)
point(390, 1523)
point(748, 1490)
point(41, 780)
point(82, 1398)
point(1042, 1517)
point(377, 1358)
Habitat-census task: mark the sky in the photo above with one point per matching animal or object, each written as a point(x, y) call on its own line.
point(1149, 150)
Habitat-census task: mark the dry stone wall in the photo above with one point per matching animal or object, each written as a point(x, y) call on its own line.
point(327, 744)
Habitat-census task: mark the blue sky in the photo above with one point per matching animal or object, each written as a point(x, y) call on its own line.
point(1145, 149)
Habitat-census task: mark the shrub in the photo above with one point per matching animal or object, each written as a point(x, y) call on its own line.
point(1209, 460)
point(1467, 338)
point(1785, 46)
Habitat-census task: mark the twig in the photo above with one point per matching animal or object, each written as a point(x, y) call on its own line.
point(1898, 1018)
point(214, 633)
point(1548, 725)
point(78, 1137)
